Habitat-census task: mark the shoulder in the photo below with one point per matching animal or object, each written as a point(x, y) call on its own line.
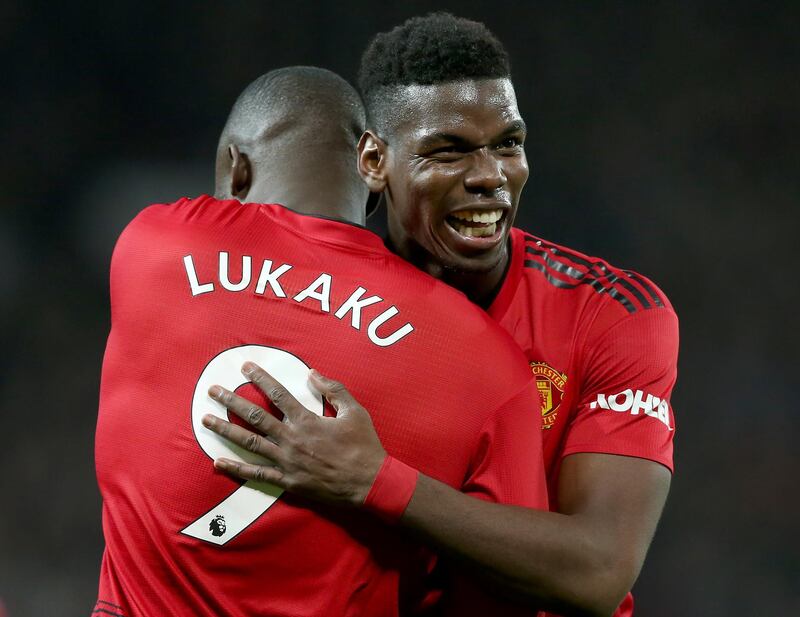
point(479, 342)
point(177, 212)
point(158, 227)
point(202, 209)
point(185, 218)
point(572, 275)
point(631, 318)
point(457, 331)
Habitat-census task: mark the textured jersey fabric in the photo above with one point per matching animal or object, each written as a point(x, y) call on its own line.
point(200, 286)
point(602, 344)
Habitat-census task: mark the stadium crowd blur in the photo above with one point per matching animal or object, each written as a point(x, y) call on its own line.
point(659, 139)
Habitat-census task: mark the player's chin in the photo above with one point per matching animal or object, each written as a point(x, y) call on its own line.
point(472, 249)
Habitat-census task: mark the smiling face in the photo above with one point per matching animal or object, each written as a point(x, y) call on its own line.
point(454, 167)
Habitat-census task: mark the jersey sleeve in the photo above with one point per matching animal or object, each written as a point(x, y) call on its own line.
point(507, 465)
point(624, 406)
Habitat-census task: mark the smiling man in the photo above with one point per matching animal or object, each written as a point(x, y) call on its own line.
point(445, 146)
point(452, 167)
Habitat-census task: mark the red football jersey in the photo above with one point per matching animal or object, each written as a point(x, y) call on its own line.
point(200, 286)
point(602, 344)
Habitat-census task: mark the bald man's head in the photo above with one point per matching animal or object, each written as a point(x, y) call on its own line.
point(291, 138)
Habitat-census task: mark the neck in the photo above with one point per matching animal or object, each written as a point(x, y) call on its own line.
point(323, 192)
point(323, 200)
point(481, 287)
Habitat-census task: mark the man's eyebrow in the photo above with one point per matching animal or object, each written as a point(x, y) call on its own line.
point(439, 137)
point(516, 127)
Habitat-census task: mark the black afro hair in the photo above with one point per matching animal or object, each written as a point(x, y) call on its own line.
point(437, 48)
point(434, 49)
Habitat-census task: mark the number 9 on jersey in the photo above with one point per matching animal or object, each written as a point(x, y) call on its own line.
point(240, 509)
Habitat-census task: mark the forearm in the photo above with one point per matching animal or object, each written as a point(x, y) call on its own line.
point(553, 560)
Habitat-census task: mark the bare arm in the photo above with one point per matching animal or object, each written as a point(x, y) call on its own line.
point(580, 560)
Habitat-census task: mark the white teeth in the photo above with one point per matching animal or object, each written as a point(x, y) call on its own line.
point(475, 216)
point(476, 232)
point(475, 223)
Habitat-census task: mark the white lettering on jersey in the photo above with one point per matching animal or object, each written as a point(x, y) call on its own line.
point(194, 285)
point(376, 323)
point(354, 304)
point(224, 277)
point(319, 289)
point(270, 277)
point(323, 281)
point(635, 403)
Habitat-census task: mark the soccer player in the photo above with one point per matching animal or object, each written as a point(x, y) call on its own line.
point(200, 286)
point(445, 146)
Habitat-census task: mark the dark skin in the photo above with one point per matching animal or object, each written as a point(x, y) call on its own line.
point(458, 147)
point(580, 560)
point(238, 177)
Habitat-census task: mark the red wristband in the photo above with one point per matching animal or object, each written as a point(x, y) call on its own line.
point(392, 490)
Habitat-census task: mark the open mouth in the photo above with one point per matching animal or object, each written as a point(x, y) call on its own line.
point(476, 223)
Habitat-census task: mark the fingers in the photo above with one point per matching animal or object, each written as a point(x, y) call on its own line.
point(248, 440)
point(248, 471)
point(280, 396)
point(333, 391)
point(248, 411)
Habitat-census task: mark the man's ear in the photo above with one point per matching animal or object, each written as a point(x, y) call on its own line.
point(241, 173)
point(372, 161)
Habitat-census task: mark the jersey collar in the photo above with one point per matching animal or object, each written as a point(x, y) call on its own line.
point(326, 229)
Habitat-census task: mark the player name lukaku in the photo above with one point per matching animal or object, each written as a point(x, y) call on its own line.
point(317, 291)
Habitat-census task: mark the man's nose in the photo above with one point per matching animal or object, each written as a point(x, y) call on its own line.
point(486, 174)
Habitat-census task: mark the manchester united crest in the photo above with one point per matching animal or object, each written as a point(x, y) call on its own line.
point(550, 384)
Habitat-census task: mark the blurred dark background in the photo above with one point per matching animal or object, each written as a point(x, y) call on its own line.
point(663, 137)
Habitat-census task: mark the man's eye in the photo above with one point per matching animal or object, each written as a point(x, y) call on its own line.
point(510, 142)
point(446, 153)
